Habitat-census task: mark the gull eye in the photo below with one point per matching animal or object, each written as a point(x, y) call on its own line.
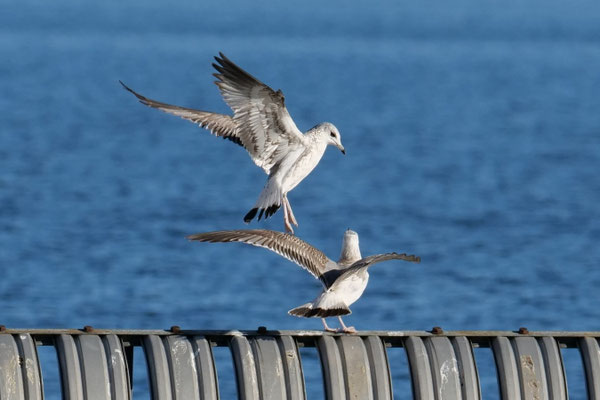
point(332, 134)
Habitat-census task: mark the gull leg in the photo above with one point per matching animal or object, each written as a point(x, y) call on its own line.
point(290, 212)
point(346, 329)
point(327, 328)
point(286, 220)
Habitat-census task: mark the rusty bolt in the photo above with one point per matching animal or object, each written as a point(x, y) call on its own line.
point(2, 328)
point(88, 328)
point(523, 330)
point(175, 329)
point(262, 329)
point(436, 330)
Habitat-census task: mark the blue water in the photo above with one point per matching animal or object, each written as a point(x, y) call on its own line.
point(473, 140)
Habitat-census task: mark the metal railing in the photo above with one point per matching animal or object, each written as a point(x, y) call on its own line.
point(97, 364)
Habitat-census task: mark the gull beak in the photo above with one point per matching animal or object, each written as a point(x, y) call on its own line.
point(342, 149)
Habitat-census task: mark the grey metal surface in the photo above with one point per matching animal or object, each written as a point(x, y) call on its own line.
point(555, 372)
point(380, 368)
point(590, 353)
point(245, 368)
point(208, 385)
point(70, 371)
point(182, 368)
point(467, 368)
point(94, 369)
point(158, 368)
point(95, 364)
point(294, 377)
point(116, 368)
point(508, 374)
point(11, 378)
point(532, 373)
point(444, 368)
point(333, 371)
point(356, 369)
point(420, 371)
point(269, 367)
point(30, 367)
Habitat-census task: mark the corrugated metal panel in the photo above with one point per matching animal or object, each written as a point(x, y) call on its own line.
point(70, 371)
point(444, 368)
point(205, 368)
point(420, 371)
point(158, 368)
point(11, 378)
point(269, 368)
point(294, 377)
point(117, 368)
point(380, 368)
point(532, 373)
point(555, 372)
point(94, 365)
point(508, 375)
point(245, 368)
point(94, 370)
point(357, 372)
point(590, 353)
point(333, 371)
point(30, 367)
point(182, 367)
point(469, 377)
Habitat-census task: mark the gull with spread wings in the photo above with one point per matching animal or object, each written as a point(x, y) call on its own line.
point(262, 125)
point(343, 281)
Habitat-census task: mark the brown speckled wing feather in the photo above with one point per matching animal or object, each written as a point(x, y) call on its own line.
point(218, 124)
point(284, 244)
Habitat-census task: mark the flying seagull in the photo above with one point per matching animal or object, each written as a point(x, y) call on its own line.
point(262, 125)
point(343, 281)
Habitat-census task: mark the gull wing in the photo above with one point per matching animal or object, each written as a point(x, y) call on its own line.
point(266, 128)
point(284, 244)
point(218, 124)
point(374, 259)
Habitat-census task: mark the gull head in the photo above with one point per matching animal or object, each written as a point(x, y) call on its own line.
point(332, 135)
point(350, 248)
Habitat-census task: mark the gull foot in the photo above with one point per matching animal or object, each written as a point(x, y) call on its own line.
point(347, 329)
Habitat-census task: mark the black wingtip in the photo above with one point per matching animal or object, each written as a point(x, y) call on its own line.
point(250, 216)
point(125, 86)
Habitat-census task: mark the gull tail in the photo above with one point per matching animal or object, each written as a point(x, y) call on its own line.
point(268, 211)
point(268, 202)
point(308, 310)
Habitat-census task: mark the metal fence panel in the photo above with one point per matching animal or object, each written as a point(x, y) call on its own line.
point(380, 368)
point(590, 353)
point(420, 371)
point(508, 375)
point(11, 378)
point(70, 371)
point(294, 377)
point(158, 368)
point(469, 377)
point(245, 368)
point(117, 368)
point(555, 372)
point(205, 368)
point(333, 371)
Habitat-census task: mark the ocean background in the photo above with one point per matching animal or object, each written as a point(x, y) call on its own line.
point(472, 132)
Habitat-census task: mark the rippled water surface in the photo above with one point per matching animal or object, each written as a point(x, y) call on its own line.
point(473, 140)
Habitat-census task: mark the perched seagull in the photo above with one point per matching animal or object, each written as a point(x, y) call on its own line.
point(343, 281)
point(262, 125)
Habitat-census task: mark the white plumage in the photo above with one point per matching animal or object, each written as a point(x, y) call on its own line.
point(262, 125)
point(343, 281)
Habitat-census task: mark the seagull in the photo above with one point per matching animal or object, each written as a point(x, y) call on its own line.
point(343, 281)
point(263, 126)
